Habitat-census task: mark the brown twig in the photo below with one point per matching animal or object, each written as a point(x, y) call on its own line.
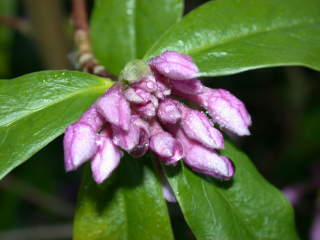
point(18, 24)
point(86, 59)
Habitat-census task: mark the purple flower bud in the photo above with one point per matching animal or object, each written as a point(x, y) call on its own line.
point(79, 145)
point(148, 110)
point(227, 110)
point(106, 160)
point(168, 111)
point(162, 90)
point(92, 118)
point(127, 140)
point(193, 86)
point(198, 127)
point(208, 162)
point(203, 160)
point(174, 65)
point(131, 95)
point(137, 96)
point(146, 96)
point(144, 134)
point(147, 84)
point(166, 147)
point(115, 108)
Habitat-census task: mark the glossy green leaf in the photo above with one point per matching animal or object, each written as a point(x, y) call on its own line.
point(127, 206)
point(37, 107)
point(248, 207)
point(123, 30)
point(228, 36)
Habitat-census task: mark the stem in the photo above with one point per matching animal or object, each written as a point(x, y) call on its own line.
point(86, 59)
point(18, 24)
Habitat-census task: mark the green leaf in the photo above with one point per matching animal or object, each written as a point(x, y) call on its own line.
point(129, 205)
point(248, 207)
point(122, 30)
point(37, 107)
point(228, 36)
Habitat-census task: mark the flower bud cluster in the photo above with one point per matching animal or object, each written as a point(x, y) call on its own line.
point(142, 112)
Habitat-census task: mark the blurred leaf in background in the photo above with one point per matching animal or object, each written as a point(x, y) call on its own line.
point(123, 30)
point(7, 9)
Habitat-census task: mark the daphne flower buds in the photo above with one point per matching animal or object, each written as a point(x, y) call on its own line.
point(92, 118)
point(174, 65)
point(115, 108)
point(79, 145)
point(198, 127)
point(107, 158)
point(192, 86)
point(226, 110)
point(165, 145)
point(208, 162)
point(203, 160)
point(169, 112)
point(142, 112)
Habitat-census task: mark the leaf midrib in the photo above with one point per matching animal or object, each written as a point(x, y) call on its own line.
point(196, 51)
point(125, 212)
point(237, 213)
point(59, 100)
point(134, 28)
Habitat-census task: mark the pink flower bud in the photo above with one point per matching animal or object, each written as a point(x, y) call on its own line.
point(227, 110)
point(174, 65)
point(79, 145)
point(92, 118)
point(131, 95)
point(115, 108)
point(136, 140)
point(166, 147)
point(127, 140)
point(193, 86)
point(204, 160)
point(144, 134)
point(198, 127)
point(164, 144)
point(147, 84)
point(168, 112)
point(208, 162)
point(148, 110)
point(137, 96)
point(162, 90)
point(107, 158)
